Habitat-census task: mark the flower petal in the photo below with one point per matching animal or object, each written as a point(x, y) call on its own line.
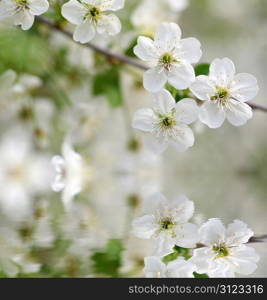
point(154, 267)
point(182, 209)
point(143, 119)
point(211, 114)
point(180, 268)
point(154, 80)
point(238, 233)
point(112, 5)
point(222, 71)
point(181, 76)
point(109, 24)
point(144, 227)
point(212, 232)
point(190, 50)
point(167, 36)
point(239, 113)
point(25, 19)
point(203, 88)
point(164, 102)
point(244, 87)
point(38, 7)
point(183, 139)
point(145, 49)
point(84, 32)
point(187, 111)
point(186, 235)
point(73, 11)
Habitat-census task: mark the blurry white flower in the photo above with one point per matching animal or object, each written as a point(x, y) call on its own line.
point(167, 123)
point(224, 94)
point(72, 173)
point(170, 58)
point(167, 223)
point(90, 16)
point(179, 268)
point(22, 12)
point(149, 14)
point(23, 173)
point(82, 227)
point(224, 252)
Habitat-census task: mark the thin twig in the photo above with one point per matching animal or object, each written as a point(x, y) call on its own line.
point(119, 57)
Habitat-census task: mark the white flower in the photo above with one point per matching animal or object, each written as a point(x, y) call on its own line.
point(90, 17)
point(23, 173)
point(224, 94)
point(22, 12)
point(224, 253)
point(179, 268)
point(167, 223)
point(167, 123)
point(169, 58)
point(72, 173)
point(149, 14)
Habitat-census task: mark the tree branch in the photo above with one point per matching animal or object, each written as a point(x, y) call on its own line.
point(119, 57)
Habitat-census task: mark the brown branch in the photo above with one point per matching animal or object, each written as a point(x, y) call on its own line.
point(119, 57)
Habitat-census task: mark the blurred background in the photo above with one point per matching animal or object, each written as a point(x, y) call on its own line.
point(60, 100)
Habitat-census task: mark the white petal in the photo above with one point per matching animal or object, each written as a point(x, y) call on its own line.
point(155, 202)
point(190, 50)
point(7, 9)
point(187, 111)
point(244, 87)
point(143, 119)
point(212, 232)
point(182, 209)
point(38, 7)
point(58, 163)
point(73, 11)
point(167, 36)
point(181, 76)
point(145, 49)
point(211, 114)
point(222, 71)
point(25, 19)
point(164, 244)
point(203, 88)
point(201, 259)
point(155, 144)
point(164, 102)
point(144, 227)
point(184, 138)
point(239, 113)
point(154, 80)
point(112, 5)
point(84, 32)
point(109, 24)
point(186, 235)
point(180, 268)
point(238, 233)
point(245, 258)
point(154, 267)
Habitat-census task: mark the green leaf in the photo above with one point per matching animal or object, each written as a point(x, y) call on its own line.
point(108, 84)
point(108, 261)
point(129, 50)
point(202, 69)
point(177, 251)
point(196, 275)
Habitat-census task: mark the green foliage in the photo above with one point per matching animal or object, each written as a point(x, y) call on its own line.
point(108, 262)
point(177, 251)
point(202, 69)
point(23, 51)
point(196, 275)
point(108, 84)
point(129, 50)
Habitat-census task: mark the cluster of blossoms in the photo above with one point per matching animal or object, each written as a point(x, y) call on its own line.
point(211, 248)
point(222, 94)
point(215, 251)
